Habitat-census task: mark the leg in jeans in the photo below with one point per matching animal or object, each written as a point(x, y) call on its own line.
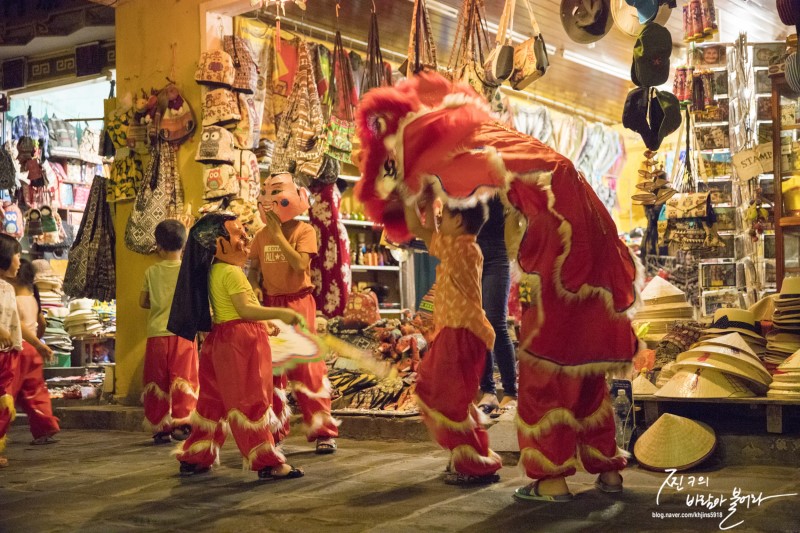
point(496, 283)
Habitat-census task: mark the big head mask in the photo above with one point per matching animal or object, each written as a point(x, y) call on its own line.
point(235, 248)
point(280, 194)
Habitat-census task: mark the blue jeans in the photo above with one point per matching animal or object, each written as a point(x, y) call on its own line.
point(496, 283)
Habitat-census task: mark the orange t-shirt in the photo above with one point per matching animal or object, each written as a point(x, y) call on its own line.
point(457, 301)
point(278, 277)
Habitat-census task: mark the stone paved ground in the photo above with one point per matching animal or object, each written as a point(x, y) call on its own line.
point(108, 481)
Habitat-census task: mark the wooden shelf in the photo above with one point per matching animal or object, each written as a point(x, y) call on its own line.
point(368, 268)
point(72, 209)
point(790, 127)
point(786, 222)
point(390, 311)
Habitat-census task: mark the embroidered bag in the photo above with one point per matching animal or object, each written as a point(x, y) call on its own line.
point(421, 46)
point(160, 195)
point(499, 64)
point(220, 181)
point(63, 139)
point(178, 122)
point(342, 99)
point(244, 64)
point(530, 56)
point(374, 71)
point(361, 309)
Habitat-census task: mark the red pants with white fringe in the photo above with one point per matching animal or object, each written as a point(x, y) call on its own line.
point(22, 381)
point(235, 387)
point(564, 422)
point(170, 382)
point(309, 382)
point(447, 381)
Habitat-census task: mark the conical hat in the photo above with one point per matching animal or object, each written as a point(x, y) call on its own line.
point(674, 442)
point(660, 291)
point(701, 382)
point(642, 385)
point(732, 343)
point(787, 377)
point(783, 394)
point(735, 365)
point(728, 320)
point(785, 385)
point(791, 363)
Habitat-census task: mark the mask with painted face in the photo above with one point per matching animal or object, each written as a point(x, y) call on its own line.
point(236, 248)
point(280, 194)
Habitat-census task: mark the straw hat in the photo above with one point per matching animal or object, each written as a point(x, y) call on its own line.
point(701, 382)
point(764, 308)
point(661, 291)
point(730, 344)
point(642, 385)
point(674, 442)
point(728, 320)
point(783, 394)
point(80, 304)
point(742, 366)
point(790, 288)
point(792, 363)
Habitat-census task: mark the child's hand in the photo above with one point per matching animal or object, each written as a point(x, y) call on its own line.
point(46, 352)
point(273, 222)
point(293, 318)
point(272, 329)
point(5, 339)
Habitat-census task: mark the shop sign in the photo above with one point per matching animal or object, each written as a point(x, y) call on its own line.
point(750, 163)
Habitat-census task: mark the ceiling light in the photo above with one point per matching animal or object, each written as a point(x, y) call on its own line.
point(617, 72)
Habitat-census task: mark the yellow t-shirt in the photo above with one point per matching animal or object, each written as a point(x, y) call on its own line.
point(224, 281)
point(159, 281)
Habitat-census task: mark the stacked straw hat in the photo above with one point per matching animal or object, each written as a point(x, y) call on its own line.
point(674, 442)
point(786, 379)
point(82, 319)
point(742, 321)
point(643, 386)
point(784, 340)
point(664, 305)
point(48, 283)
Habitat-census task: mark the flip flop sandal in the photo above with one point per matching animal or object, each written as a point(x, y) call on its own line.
point(3, 462)
point(41, 441)
point(161, 438)
point(265, 474)
point(531, 493)
point(326, 447)
point(500, 411)
point(191, 469)
point(607, 487)
point(181, 433)
point(457, 478)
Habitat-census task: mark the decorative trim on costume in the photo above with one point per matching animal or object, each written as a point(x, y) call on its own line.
point(586, 369)
point(3, 442)
point(323, 392)
point(199, 421)
point(241, 419)
point(319, 420)
point(184, 386)
point(155, 390)
point(247, 462)
point(466, 453)
point(544, 464)
point(205, 445)
point(162, 424)
point(562, 416)
point(7, 403)
point(466, 425)
point(544, 181)
point(183, 421)
point(597, 455)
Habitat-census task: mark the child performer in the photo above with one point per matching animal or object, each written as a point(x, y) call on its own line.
point(21, 376)
point(235, 363)
point(281, 258)
point(450, 373)
point(170, 361)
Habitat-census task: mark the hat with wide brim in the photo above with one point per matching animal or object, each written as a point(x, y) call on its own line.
point(792, 363)
point(702, 382)
point(627, 20)
point(729, 320)
point(653, 122)
point(642, 385)
point(586, 21)
point(674, 442)
point(783, 394)
point(660, 291)
point(731, 343)
point(735, 365)
point(651, 52)
point(788, 11)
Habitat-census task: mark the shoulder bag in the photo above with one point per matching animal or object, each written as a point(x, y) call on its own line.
point(530, 57)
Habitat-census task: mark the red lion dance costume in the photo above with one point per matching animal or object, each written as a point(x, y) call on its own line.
point(562, 238)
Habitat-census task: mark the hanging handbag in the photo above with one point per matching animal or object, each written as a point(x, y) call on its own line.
point(374, 70)
point(499, 64)
point(470, 48)
point(178, 122)
point(530, 56)
point(342, 101)
point(421, 47)
point(161, 194)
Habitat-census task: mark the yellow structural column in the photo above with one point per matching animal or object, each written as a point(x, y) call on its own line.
point(155, 39)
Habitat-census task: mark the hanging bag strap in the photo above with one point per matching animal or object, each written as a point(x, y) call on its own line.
point(534, 24)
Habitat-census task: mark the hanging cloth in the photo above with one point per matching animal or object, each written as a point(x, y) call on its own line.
point(330, 268)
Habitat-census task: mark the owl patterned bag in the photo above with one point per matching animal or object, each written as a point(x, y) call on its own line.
point(216, 146)
point(220, 181)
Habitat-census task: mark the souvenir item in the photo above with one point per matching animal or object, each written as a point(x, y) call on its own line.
point(221, 107)
point(674, 442)
point(342, 99)
point(530, 56)
point(34, 223)
point(216, 146)
point(160, 197)
point(248, 174)
point(374, 71)
point(663, 117)
point(63, 138)
point(13, 223)
point(281, 195)
point(361, 310)
point(421, 45)
point(244, 64)
point(586, 21)
point(651, 54)
point(177, 122)
point(215, 69)
point(235, 248)
point(220, 180)
point(500, 63)
point(626, 16)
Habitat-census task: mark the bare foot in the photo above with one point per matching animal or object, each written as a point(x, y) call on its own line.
point(555, 486)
